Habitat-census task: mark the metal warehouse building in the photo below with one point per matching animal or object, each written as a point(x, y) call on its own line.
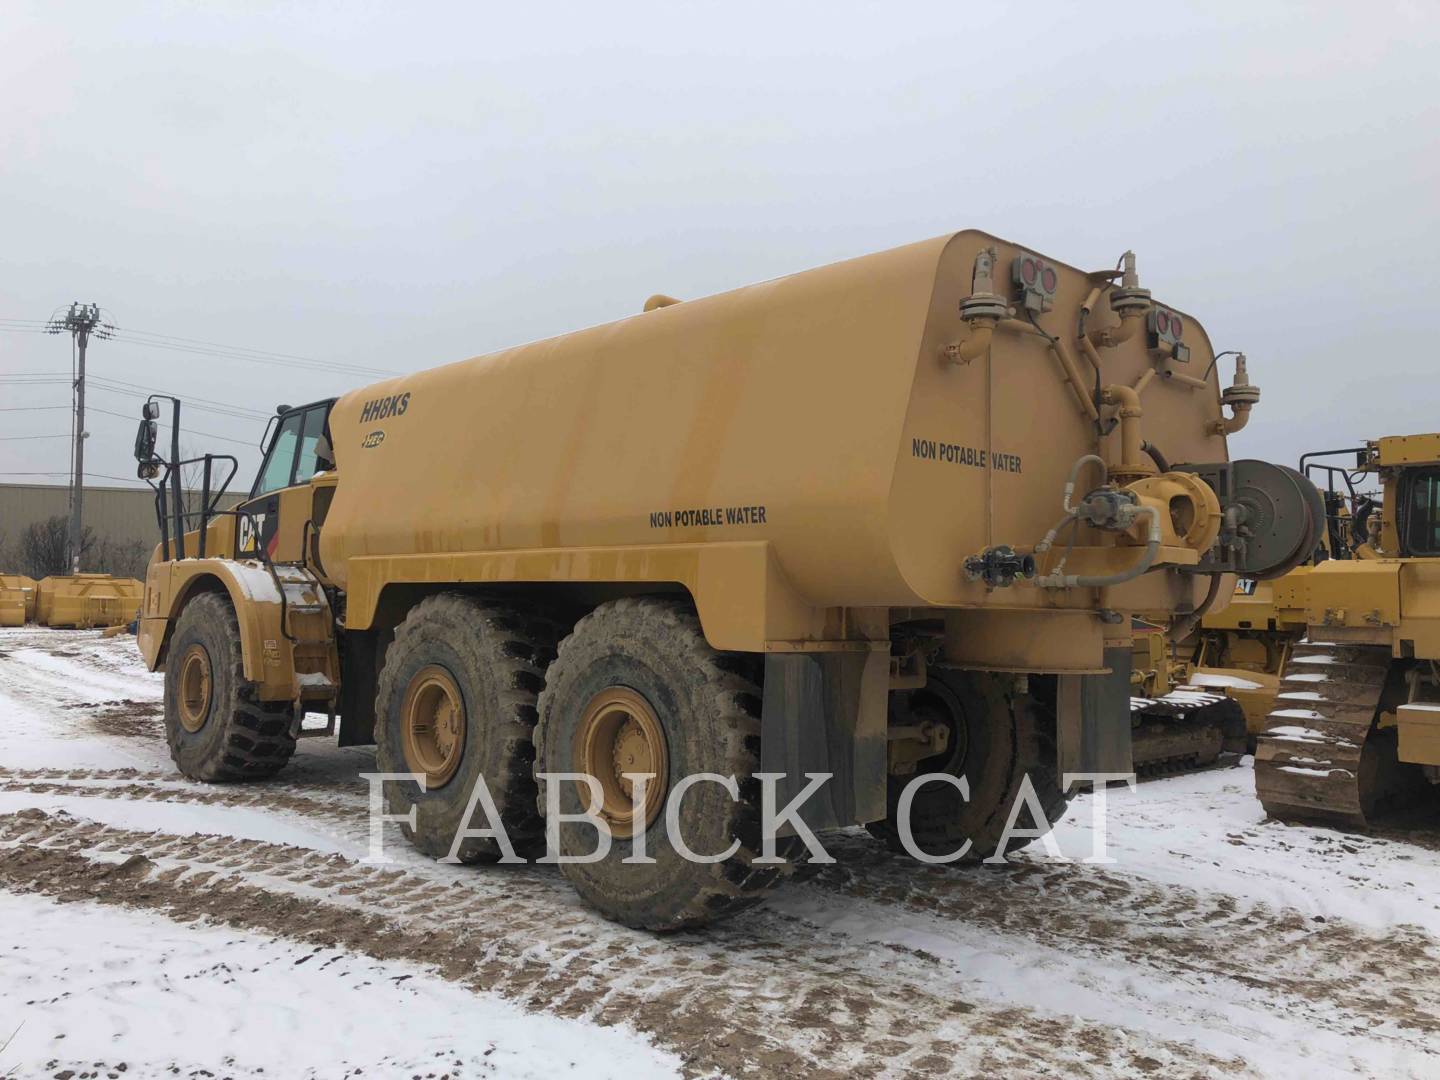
point(117, 514)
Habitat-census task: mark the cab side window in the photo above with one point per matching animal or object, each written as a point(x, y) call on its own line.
point(280, 461)
point(309, 438)
point(1420, 529)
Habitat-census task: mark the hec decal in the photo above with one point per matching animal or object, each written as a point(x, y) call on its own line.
point(384, 407)
point(375, 438)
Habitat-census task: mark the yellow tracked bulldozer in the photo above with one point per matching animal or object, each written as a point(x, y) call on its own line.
point(1355, 731)
point(863, 543)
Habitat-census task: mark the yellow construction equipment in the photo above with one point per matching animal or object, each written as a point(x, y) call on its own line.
point(1182, 718)
point(1212, 693)
point(1243, 649)
point(86, 601)
point(1353, 733)
point(17, 599)
point(857, 528)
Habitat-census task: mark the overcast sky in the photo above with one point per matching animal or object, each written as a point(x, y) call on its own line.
point(405, 186)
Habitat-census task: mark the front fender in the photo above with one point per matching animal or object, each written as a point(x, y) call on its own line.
point(266, 653)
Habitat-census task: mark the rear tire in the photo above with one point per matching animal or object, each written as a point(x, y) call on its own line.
point(997, 738)
point(480, 666)
point(702, 711)
point(216, 726)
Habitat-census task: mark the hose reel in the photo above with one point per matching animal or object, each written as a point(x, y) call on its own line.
point(1276, 515)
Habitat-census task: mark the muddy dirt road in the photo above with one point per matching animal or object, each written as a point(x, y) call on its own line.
point(1215, 943)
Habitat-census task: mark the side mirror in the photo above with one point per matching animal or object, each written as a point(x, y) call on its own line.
point(145, 440)
point(150, 410)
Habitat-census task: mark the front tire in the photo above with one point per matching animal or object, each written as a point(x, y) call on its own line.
point(216, 726)
point(637, 688)
point(997, 738)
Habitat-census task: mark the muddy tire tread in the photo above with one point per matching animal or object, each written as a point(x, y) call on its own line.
point(258, 740)
point(737, 883)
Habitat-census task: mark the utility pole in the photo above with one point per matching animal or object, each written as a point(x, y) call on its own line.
point(80, 323)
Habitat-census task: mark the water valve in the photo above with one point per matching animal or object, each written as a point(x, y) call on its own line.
point(999, 567)
point(981, 310)
point(984, 303)
point(1128, 298)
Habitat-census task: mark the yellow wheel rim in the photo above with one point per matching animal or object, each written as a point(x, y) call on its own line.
point(433, 725)
point(619, 733)
point(196, 686)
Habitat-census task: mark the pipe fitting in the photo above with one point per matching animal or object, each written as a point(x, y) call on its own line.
point(982, 330)
point(1241, 396)
point(1133, 464)
point(1110, 336)
point(1127, 300)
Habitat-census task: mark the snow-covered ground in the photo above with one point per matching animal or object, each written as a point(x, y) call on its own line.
point(164, 925)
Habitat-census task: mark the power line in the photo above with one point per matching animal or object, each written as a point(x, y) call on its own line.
point(189, 403)
point(188, 431)
point(201, 347)
point(102, 476)
point(14, 438)
point(262, 414)
point(43, 378)
point(312, 365)
point(270, 353)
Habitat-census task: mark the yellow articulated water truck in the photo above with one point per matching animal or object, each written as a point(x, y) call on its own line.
point(831, 534)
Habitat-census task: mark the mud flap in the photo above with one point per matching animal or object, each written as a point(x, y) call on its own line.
point(827, 713)
point(1094, 719)
point(362, 655)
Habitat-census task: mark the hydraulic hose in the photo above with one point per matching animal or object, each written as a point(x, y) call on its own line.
point(1080, 463)
point(1049, 540)
point(1100, 581)
point(1186, 626)
point(1156, 456)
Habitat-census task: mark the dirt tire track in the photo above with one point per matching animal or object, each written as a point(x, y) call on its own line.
point(717, 999)
point(1385, 977)
point(242, 799)
point(1074, 909)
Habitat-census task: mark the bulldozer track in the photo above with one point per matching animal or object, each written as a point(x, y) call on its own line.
point(1183, 731)
point(1308, 761)
point(746, 1001)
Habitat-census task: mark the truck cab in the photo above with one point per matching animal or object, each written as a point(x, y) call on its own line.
point(280, 513)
